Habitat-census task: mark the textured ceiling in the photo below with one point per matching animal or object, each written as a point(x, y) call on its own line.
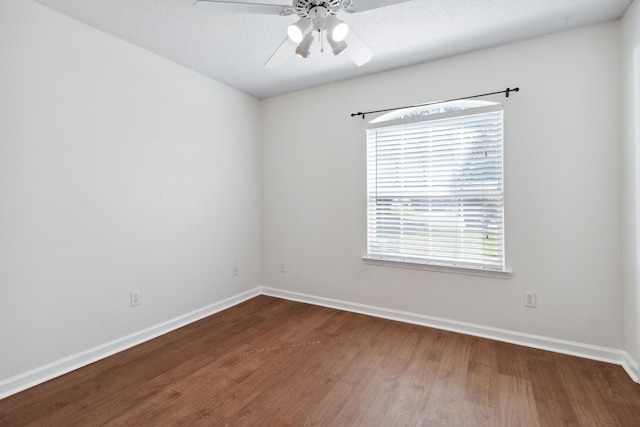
point(233, 47)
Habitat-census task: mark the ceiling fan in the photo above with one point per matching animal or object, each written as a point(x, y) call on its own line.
point(317, 19)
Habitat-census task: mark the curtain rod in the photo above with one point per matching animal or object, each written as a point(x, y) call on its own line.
point(507, 91)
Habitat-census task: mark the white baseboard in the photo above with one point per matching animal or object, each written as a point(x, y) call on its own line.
point(631, 367)
point(54, 369)
point(588, 351)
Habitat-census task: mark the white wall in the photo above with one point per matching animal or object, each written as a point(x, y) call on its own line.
point(119, 170)
point(630, 61)
point(562, 161)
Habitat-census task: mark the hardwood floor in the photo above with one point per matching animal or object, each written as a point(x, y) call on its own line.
point(272, 362)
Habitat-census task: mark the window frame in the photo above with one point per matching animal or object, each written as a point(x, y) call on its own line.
point(432, 113)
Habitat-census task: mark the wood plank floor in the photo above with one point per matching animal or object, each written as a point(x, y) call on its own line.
point(272, 362)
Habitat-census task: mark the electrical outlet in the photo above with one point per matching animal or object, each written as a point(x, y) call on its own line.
point(235, 269)
point(135, 298)
point(529, 299)
point(283, 267)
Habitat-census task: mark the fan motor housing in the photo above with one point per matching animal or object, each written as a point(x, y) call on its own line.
point(304, 7)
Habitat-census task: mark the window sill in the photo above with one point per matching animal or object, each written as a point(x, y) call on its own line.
point(506, 274)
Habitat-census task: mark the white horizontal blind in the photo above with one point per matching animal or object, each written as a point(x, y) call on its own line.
point(435, 191)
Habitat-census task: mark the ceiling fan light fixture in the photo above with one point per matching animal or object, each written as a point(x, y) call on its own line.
point(303, 48)
point(337, 30)
point(337, 47)
point(297, 31)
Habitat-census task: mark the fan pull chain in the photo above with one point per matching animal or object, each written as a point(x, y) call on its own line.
point(321, 41)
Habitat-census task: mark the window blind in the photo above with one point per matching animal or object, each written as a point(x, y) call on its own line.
point(435, 191)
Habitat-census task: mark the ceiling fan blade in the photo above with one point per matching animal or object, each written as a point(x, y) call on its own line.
point(358, 51)
point(230, 6)
point(355, 6)
point(282, 54)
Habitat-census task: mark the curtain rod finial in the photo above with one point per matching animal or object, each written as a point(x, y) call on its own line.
point(509, 90)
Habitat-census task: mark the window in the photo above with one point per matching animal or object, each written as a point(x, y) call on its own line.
point(435, 186)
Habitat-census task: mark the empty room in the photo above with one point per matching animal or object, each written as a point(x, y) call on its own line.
point(319, 212)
